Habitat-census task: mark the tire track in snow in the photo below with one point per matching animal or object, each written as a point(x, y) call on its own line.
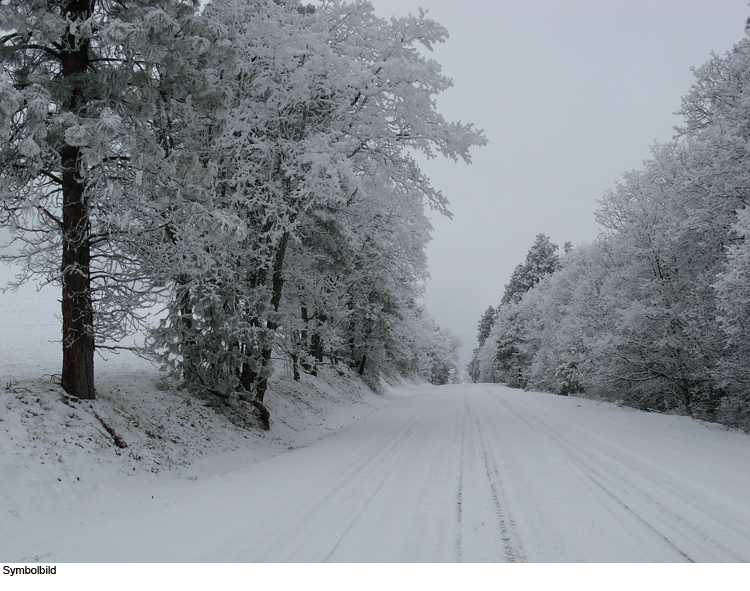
point(511, 550)
point(400, 466)
point(328, 495)
point(475, 469)
point(458, 473)
point(617, 487)
point(459, 496)
point(586, 470)
point(588, 464)
point(382, 478)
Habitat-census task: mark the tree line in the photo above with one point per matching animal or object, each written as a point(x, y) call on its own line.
point(248, 166)
point(655, 312)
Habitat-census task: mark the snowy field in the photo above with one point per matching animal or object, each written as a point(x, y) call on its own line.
point(465, 473)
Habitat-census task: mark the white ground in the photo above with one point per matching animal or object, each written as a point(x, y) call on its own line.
point(450, 474)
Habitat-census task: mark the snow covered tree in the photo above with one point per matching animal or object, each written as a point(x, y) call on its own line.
point(485, 326)
point(318, 104)
point(79, 84)
point(718, 127)
point(444, 357)
point(504, 358)
point(733, 287)
point(666, 247)
point(654, 313)
point(569, 315)
point(541, 261)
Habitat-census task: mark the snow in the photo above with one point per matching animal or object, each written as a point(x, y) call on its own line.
point(463, 473)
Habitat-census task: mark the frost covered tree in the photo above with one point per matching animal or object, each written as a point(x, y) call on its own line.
point(634, 315)
point(485, 326)
point(733, 288)
point(718, 127)
point(499, 356)
point(252, 163)
point(443, 353)
point(352, 279)
point(311, 143)
point(569, 316)
point(541, 261)
point(654, 313)
point(80, 82)
point(666, 243)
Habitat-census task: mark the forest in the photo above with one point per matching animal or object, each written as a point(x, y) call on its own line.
point(246, 168)
point(654, 313)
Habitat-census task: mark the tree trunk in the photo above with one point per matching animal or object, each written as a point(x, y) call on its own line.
point(305, 338)
point(190, 372)
point(77, 310)
point(316, 346)
point(295, 367)
point(316, 341)
point(277, 284)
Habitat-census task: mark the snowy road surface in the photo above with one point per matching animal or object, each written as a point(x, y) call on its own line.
point(457, 473)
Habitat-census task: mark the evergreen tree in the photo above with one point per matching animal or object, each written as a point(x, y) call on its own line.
point(252, 164)
point(79, 85)
point(541, 261)
point(485, 326)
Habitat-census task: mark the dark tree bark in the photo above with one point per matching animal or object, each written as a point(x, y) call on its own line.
point(77, 310)
point(277, 285)
point(316, 341)
point(190, 372)
point(304, 337)
point(295, 367)
point(250, 380)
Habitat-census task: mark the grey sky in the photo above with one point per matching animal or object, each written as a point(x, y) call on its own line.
point(571, 94)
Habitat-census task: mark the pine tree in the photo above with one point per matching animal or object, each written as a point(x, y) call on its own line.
point(485, 326)
point(541, 261)
point(77, 85)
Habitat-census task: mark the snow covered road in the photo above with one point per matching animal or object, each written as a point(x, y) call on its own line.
point(457, 473)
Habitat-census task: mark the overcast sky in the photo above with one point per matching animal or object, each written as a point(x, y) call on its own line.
point(570, 94)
